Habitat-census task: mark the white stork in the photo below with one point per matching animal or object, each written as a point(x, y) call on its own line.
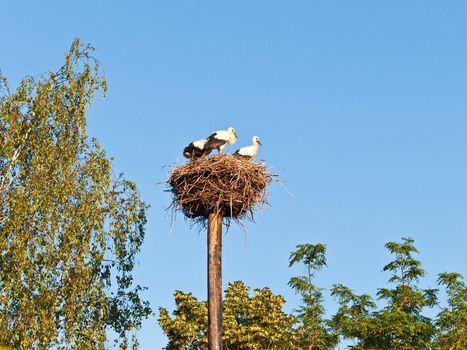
point(249, 152)
point(195, 149)
point(219, 139)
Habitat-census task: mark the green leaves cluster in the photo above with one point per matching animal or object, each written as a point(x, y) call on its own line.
point(312, 330)
point(250, 322)
point(452, 320)
point(398, 325)
point(259, 321)
point(69, 228)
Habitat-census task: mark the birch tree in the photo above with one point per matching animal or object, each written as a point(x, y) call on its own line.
point(69, 228)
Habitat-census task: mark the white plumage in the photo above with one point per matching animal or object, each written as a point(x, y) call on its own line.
point(249, 152)
point(219, 139)
point(199, 144)
point(196, 149)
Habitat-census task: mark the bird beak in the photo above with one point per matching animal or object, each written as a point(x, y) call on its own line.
point(260, 143)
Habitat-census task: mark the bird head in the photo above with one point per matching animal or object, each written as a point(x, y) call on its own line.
point(255, 139)
point(233, 135)
point(232, 131)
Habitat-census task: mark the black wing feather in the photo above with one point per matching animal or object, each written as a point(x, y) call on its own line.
point(213, 143)
point(191, 151)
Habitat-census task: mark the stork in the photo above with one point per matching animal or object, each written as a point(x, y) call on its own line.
point(219, 139)
point(249, 152)
point(196, 149)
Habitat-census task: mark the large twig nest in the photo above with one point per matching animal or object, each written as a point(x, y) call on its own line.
point(224, 184)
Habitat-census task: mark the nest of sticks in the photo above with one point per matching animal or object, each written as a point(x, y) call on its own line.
point(223, 184)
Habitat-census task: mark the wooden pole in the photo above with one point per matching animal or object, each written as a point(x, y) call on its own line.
point(214, 282)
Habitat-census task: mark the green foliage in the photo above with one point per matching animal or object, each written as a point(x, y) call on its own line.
point(313, 331)
point(249, 322)
point(188, 330)
point(69, 229)
point(452, 320)
point(400, 324)
point(256, 322)
point(259, 322)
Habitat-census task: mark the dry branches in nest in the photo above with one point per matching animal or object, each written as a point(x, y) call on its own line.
point(223, 184)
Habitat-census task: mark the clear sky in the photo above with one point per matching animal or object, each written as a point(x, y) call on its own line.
point(360, 105)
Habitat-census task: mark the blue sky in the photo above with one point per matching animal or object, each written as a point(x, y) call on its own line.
point(360, 106)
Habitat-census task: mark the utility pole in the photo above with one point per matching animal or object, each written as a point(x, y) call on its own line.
point(215, 281)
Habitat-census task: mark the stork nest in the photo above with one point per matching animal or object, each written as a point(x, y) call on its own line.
point(221, 184)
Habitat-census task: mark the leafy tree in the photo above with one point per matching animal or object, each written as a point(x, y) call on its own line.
point(452, 320)
point(188, 330)
point(259, 322)
point(399, 325)
point(313, 331)
point(253, 323)
point(69, 228)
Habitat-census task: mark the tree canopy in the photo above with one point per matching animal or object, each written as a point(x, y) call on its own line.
point(452, 320)
point(255, 322)
point(69, 228)
point(312, 331)
point(260, 322)
point(398, 325)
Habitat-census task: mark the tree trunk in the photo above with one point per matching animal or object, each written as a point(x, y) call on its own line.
point(215, 282)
